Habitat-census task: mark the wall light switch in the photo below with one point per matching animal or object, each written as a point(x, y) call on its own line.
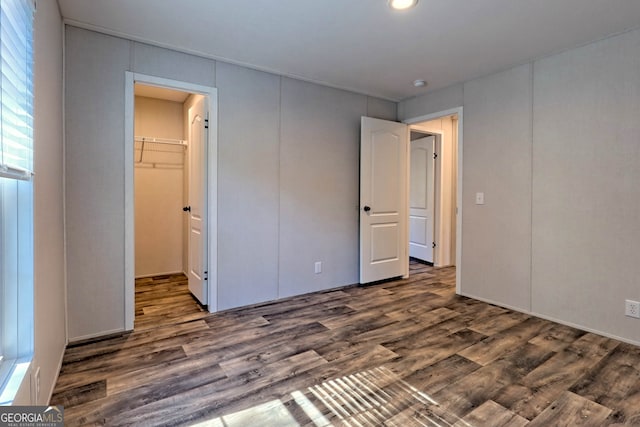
point(479, 198)
point(317, 267)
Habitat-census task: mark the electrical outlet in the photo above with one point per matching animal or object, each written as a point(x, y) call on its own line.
point(632, 308)
point(318, 267)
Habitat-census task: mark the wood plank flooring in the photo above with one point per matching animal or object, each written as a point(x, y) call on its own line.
point(403, 353)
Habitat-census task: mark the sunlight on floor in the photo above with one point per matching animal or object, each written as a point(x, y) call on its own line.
point(376, 397)
point(272, 413)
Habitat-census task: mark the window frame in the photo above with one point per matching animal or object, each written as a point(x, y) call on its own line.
point(16, 195)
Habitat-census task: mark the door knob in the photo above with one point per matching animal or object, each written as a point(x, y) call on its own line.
point(367, 208)
point(187, 209)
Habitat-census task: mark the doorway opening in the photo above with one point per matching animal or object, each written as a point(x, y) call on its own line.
point(385, 172)
point(162, 152)
point(434, 191)
point(170, 182)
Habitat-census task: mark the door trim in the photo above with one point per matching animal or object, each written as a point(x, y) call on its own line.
point(459, 112)
point(435, 215)
point(211, 94)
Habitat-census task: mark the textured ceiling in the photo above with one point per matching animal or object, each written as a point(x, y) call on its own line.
point(362, 45)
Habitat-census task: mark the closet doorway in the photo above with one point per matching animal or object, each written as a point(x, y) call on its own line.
point(169, 186)
point(160, 158)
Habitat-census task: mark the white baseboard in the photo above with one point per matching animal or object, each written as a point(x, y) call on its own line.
point(553, 319)
point(144, 276)
point(96, 335)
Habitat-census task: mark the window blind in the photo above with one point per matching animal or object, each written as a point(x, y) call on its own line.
point(16, 95)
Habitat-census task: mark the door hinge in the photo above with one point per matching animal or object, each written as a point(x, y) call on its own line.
point(206, 275)
point(433, 245)
point(435, 156)
point(206, 123)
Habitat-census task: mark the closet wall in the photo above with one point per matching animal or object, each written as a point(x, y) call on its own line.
point(287, 182)
point(159, 176)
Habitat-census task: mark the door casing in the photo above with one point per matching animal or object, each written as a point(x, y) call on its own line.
point(211, 95)
point(426, 213)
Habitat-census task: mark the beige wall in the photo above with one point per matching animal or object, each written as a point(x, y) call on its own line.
point(94, 181)
point(287, 174)
point(49, 280)
point(158, 118)
point(554, 147)
point(586, 197)
point(319, 195)
point(496, 236)
point(159, 194)
point(249, 185)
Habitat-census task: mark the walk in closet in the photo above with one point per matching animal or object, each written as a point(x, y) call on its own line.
point(160, 184)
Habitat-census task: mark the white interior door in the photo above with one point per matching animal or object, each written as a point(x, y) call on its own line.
point(383, 200)
point(198, 201)
point(422, 199)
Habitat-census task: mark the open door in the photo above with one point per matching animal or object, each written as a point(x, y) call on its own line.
point(197, 207)
point(422, 199)
point(383, 200)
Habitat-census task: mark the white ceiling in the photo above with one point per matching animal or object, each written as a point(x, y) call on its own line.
point(363, 45)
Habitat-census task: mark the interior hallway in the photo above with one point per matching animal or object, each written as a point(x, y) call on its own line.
point(403, 353)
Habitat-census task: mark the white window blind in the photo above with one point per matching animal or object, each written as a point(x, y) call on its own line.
point(16, 102)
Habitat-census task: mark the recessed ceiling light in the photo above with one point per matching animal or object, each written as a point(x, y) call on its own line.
point(402, 4)
point(419, 83)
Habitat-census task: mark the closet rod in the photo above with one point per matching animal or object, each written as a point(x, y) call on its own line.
point(168, 141)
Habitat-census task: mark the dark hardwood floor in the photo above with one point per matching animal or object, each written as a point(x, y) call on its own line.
point(404, 353)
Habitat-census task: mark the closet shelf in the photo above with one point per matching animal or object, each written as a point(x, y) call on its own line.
point(169, 141)
point(144, 140)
